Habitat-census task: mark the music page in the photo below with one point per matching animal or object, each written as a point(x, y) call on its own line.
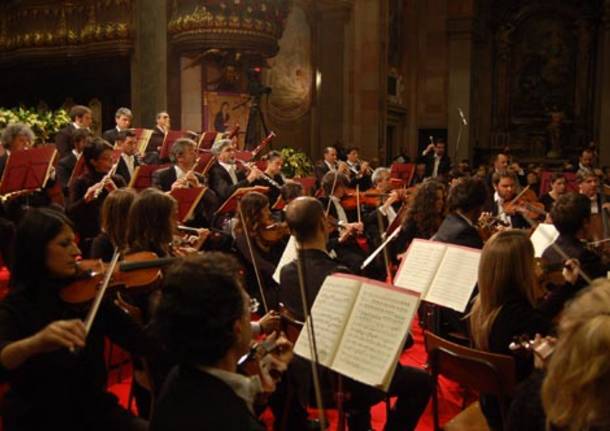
point(290, 254)
point(330, 312)
point(375, 333)
point(455, 279)
point(419, 265)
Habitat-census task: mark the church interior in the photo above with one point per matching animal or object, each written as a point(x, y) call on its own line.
point(426, 180)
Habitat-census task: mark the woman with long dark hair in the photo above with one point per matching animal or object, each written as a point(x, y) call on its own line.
point(51, 387)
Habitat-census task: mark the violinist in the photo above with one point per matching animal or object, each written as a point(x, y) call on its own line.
point(424, 216)
point(506, 189)
point(558, 188)
point(50, 387)
point(88, 191)
point(203, 317)
point(182, 175)
point(272, 176)
point(509, 304)
point(114, 219)
point(268, 240)
point(571, 216)
point(128, 162)
point(305, 217)
point(224, 177)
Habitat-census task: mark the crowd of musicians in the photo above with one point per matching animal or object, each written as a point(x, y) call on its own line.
point(190, 328)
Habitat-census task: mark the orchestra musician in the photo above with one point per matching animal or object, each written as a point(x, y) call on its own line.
point(181, 174)
point(275, 162)
point(420, 173)
point(50, 387)
point(66, 165)
point(125, 140)
point(437, 161)
point(329, 163)
point(122, 119)
point(500, 164)
point(267, 248)
point(203, 318)
point(162, 126)
point(558, 188)
point(15, 137)
point(224, 177)
point(571, 216)
point(82, 118)
point(508, 304)
point(506, 189)
point(359, 171)
point(305, 217)
point(113, 222)
point(588, 183)
point(88, 191)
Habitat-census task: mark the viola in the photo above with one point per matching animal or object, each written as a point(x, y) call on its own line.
point(138, 270)
point(274, 232)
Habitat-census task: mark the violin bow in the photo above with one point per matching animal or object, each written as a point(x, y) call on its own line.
point(313, 348)
point(358, 203)
point(332, 191)
point(97, 301)
point(557, 248)
point(521, 193)
point(253, 257)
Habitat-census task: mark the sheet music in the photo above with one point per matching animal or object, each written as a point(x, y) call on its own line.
point(420, 264)
point(375, 334)
point(330, 312)
point(290, 254)
point(455, 279)
point(544, 235)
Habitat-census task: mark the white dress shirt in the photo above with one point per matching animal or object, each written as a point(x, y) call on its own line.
point(230, 168)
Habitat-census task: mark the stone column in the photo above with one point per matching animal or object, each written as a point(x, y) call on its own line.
point(460, 32)
point(149, 61)
point(603, 87)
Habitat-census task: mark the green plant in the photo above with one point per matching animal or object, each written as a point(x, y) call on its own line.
point(44, 124)
point(296, 163)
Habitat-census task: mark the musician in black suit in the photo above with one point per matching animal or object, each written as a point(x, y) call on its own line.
point(305, 217)
point(359, 171)
point(122, 118)
point(588, 185)
point(181, 174)
point(128, 162)
point(163, 122)
point(506, 189)
point(203, 318)
point(66, 164)
point(465, 203)
point(272, 176)
point(15, 137)
point(437, 161)
point(224, 177)
point(81, 117)
point(327, 164)
point(571, 215)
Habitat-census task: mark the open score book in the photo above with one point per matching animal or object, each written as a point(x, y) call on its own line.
point(444, 274)
point(360, 327)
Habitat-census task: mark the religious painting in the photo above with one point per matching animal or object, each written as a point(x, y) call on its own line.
point(222, 112)
point(291, 75)
point(544, 64)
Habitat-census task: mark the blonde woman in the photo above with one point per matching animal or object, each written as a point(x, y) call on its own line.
point(575, 392)
point(509, 305)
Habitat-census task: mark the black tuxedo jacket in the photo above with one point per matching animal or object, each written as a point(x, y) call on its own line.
point(64, 169)
point(320, 169)
point(111, 135)
point(122, 170)
point(455, 230)
point(220, 181)
point(63, 140)
point(444, 165)
point(192, 399)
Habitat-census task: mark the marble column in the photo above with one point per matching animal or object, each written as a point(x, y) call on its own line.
point(603, 87)
point(460, 32)
point(149, 61)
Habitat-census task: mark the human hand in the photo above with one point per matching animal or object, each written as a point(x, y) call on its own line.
point(61, 333)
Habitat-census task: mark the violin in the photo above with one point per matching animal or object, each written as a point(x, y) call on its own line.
point(523, 343)
point(273, 233)
point(525, 203)
point(137, 270)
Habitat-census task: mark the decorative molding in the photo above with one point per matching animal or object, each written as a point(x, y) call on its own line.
point(74, 28)
point(247, 26)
